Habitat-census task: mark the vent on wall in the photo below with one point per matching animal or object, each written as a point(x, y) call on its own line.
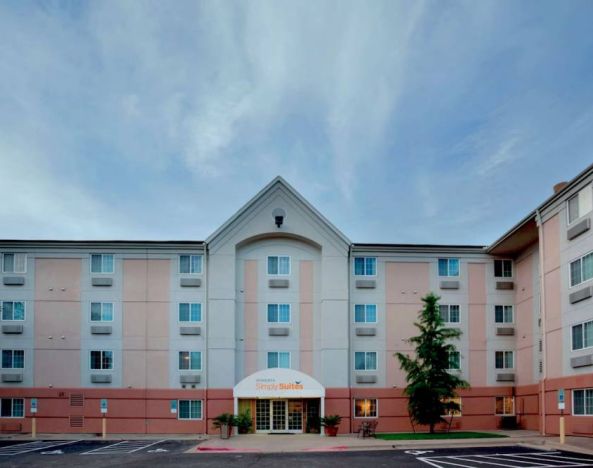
point(76, 421)
point(76, 399)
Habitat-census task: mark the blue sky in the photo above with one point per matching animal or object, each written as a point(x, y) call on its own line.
point(401, 121)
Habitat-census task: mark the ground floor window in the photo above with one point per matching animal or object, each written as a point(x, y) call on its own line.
point(452, 412)
point(12, 408)
point(582, 402)
point(505, 406)
point(365, 408)
point(190, 409)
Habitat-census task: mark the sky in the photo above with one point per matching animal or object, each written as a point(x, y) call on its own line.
point(401, 121)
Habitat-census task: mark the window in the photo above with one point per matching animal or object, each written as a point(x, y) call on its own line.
point(190, 264)
point(448, 267)
point(365, 313)
point(581, 269)
point(582, 335)
point(190, 409)
point(101, 360)
point(278, 313)
point(454, 360)
point(365, 266)
point(14, 263)
point(503, 268)
point(279, 265)
point(504, 359)
point(365, 408)
point(365, 360)
point(12, 407)
point(505, 406)
point(13, 359)
point(190, 312)
point(503, 314)
point(582, 402)
point(278, 359)
point(580, 204)
point(453, 412)
point(101, 263)
point(12, 310)
point(449, 313)
point(190, 360)
point(101, 312)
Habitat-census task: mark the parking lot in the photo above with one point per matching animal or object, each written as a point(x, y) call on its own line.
point(177, 453)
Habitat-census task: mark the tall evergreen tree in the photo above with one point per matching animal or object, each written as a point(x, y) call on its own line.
point(430, 385)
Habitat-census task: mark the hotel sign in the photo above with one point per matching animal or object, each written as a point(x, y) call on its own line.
point(278, 383)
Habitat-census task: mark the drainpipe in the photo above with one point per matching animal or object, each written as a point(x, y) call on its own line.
point(206, 333)
point(542, 307)
point(350, 402)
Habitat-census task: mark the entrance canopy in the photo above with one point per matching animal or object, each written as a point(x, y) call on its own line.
point(278, 383)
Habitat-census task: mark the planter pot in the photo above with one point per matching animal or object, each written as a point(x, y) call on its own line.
point(331, 431)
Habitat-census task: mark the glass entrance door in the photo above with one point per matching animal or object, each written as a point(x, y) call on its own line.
point(295, 415)
point(279, 415)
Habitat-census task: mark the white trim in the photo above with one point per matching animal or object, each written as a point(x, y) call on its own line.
point(13, 320)
point(189, 321)
point(278, 257)
point(449, 312)
point(588, 415)
point(279, 304)
point(12, 408)
point(179, 418)
point(458, 369)
point(15, 271)
point(101, 272)
point(13, 350)
point(570, 285)
point(190, 256)
point(503, 358)
point(512, 322)
point(504, 260)
point(364, 275)
point(278, 352)
point(366, 370)
point(102, 320)
point(458, 275)
point(571, 336)
point(365, 417)
point(190, 351)
point(272, 378)
point(503, 397)
point(101, 351)
point(365, 313)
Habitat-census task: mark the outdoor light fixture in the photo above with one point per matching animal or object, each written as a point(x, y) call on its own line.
point(278, 215)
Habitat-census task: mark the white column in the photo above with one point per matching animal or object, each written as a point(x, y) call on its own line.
point(236, 412)
point(321, 415)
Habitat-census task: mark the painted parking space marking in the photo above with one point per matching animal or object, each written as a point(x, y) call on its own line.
point(510, 460)
point(17, 449)
point(125, 446)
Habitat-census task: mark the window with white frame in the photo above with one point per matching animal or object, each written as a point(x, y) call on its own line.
point(454, 359)
point(279, 359)
point(365, 408)
point(12, 408)
point(448, 267)
point(278, 313)
point(278, 265)
point(365, 266)
point(190, 312)
point(190, 360)
point(505, 406)
point(13, 359)
point(102, 263)
point(449, 313)
point(190, 264)
point(503, 314)
point(453, 412)
point(14, 263)
point(101, 360)
point(101, 311)
point(582, 402)
point(504, 359)
point(189, 409)
point(365, 313)
point(580, 204)
point(365, 360)
point(582, 335)
point(581, 269)
point(13, 310)
point(503, 268)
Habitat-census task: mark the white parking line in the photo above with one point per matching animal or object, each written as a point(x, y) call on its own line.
point(18, 449)
point(125, 446)
point(510, 460)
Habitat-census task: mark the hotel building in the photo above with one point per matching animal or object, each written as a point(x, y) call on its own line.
point(279, 312)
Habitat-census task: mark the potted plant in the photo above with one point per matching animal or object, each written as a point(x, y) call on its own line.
point(244, 422)
point(330, 424)
point(225, 423)
point(313, 424)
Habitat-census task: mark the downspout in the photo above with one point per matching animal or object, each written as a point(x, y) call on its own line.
point(542, 307)
point(206, 334)
point(350, 401)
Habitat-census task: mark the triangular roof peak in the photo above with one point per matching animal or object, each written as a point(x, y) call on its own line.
point(278, 183)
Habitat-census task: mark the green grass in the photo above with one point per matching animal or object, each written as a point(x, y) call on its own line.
point(438, 435)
